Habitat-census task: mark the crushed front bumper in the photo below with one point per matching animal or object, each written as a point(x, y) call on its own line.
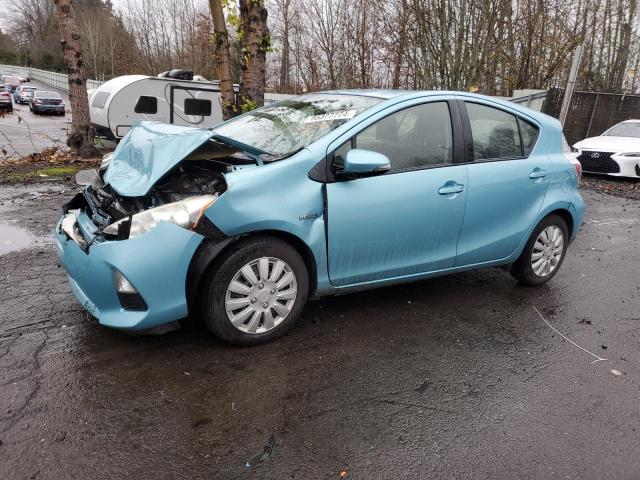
point(155, 263)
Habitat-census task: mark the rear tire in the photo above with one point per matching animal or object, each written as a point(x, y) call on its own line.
point(544, 252)
point(261, 305)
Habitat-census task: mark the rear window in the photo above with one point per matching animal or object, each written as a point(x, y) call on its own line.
point(46, 95)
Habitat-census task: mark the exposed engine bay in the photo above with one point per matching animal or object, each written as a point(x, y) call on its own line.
point(187, 179)
point(200, 175)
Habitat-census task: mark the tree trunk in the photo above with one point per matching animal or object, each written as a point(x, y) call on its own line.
point(284, 59)
point(255, 41)
point(82, 134)
point(222, 58)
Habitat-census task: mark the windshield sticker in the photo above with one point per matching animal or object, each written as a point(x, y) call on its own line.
point(331, 117)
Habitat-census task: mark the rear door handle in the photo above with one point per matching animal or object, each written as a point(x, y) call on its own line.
point(448, 189)
point(537, 173)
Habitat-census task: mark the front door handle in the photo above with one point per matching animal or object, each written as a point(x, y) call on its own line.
point(537, 173)
point(448, 188)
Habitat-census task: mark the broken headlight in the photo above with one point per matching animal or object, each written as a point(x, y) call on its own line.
point(185, 213)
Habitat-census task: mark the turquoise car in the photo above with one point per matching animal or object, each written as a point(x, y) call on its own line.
point(321, 194)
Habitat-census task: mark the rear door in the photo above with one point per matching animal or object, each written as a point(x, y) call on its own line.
point(507, 182)
point(405, 221)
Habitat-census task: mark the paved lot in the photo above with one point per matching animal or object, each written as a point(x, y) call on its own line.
point(456, 377)
point(23, 133)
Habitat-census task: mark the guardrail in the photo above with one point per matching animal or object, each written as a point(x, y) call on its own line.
point(53, 79)
point(61, 80)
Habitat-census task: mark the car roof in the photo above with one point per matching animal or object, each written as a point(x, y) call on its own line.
point(391, 95)
point(631, 120)
point(369, 92)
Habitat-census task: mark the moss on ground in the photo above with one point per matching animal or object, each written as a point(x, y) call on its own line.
point(29, 173)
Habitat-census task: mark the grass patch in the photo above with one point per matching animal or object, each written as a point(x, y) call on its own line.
point(35, 174)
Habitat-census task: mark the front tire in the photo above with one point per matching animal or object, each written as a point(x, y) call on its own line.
point(256, 293)
point(544, 252)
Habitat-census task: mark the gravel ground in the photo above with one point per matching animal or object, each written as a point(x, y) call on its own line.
point(627, 188)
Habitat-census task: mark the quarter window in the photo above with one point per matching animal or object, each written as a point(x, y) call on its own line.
point(193, 106)
point(529, 135)
point(146, 104)
point(415, 137)
point(495, 133)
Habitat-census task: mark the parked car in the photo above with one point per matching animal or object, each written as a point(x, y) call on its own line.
point(12, 81)
point(322, 194)
point(5, 99)
point(23, 94)
point(616, 152)
point(21, 77)
point(43, 101)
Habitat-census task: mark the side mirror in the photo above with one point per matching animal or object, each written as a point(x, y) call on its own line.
point(361, 162)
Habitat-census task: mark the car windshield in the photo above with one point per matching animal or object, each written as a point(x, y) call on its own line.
point(630, 129)
point(286, 127)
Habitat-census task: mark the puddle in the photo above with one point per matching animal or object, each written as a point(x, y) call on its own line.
point(13, 238)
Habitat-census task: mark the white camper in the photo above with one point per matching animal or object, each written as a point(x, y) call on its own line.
point(170, 97)
point(118, 103)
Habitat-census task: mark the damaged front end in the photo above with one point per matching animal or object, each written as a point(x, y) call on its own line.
point(180, 198)
point(158, 173)
point(127, 238)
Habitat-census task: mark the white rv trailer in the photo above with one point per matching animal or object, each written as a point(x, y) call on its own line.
point(116, 104)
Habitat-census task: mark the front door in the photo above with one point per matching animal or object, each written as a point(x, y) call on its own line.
point(407, 220)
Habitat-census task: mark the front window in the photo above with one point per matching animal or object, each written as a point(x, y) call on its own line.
point(631, 129)
point(288, 126)
point(416, 137)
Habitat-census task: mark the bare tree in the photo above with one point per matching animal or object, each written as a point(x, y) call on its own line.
point(222, 55)
point(82, 134)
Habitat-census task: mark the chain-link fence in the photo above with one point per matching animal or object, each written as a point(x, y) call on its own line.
point(53, 79)
point(591, 113)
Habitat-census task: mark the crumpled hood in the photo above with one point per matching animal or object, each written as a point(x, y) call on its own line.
point(147, 152)
point(609, 144)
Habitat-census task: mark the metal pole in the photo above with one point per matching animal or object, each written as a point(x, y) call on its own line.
point(568, 93)
point(593, 112)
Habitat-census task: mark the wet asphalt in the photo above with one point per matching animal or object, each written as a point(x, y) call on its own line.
point(455, 377)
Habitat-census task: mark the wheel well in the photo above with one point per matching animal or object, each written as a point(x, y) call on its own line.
point(566, 216)
point(211, 251)
point(302, 248)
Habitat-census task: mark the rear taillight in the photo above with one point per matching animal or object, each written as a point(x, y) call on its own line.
point(570, 154)
point(4, 94)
